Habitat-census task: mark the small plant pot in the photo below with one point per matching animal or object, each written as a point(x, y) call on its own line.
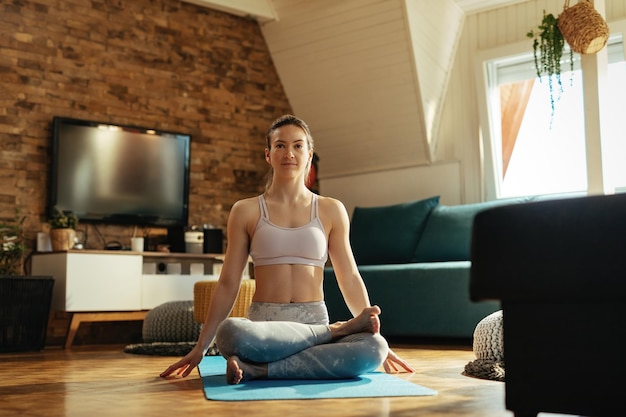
point(62, 239)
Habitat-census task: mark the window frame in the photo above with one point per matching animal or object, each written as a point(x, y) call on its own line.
point(490, 111)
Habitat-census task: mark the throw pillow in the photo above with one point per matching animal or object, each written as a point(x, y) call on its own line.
point(389, 234)
point(448, 234)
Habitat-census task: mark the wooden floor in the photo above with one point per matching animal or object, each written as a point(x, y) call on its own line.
point(102, 380)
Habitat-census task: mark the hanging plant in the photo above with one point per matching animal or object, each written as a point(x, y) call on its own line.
point(548, 47)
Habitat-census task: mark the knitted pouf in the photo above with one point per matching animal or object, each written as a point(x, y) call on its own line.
point(171, 322)
point(169, 330)
point(488, 348)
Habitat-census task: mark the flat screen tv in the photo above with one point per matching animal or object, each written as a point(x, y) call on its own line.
point(115, 174)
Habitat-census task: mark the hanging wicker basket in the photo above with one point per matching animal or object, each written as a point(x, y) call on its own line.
point(584, 29)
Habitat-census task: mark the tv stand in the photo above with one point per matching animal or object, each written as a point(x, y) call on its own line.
point(119, 285)
point(78, 318)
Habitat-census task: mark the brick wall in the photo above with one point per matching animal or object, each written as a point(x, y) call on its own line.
point(151, 63)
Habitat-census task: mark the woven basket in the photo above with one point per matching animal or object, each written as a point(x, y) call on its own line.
point(24, 312)
point(584, 29)
point(203, 291)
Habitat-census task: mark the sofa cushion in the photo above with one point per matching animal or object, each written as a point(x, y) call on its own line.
point(389, 234)
point(448, 233)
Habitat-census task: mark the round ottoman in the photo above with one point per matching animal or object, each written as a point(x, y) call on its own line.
point(171, 322)
point(488, 348)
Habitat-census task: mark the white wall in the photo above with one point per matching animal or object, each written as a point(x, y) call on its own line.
point(397, 186)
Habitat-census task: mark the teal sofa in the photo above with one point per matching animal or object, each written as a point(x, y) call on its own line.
point(415, 261)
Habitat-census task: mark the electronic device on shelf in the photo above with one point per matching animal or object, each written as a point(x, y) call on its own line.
point(115, 174)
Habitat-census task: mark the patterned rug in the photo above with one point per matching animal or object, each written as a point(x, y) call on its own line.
point(166, 349)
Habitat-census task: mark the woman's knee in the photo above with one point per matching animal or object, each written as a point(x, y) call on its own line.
point(228, 335)
point(381, 347)
point(373, 348)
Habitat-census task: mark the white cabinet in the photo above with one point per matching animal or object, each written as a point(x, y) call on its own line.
point(116, 281)
point(86, 281)
point(157, 289)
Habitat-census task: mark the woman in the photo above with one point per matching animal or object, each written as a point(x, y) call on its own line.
point(289, 232)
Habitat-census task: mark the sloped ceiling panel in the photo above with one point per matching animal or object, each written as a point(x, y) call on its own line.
point(348, 71)
point(369, 76)
point(435, 26)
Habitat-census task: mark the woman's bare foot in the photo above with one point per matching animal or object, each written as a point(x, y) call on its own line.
point(238, 371)
point(366, 321)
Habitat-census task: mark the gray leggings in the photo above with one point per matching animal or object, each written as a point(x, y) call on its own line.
point(295, 342)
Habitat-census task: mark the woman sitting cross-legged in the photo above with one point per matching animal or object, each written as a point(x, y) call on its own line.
point(289, 232)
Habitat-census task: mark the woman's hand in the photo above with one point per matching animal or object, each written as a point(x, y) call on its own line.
point(393, 360)
point(186, 364)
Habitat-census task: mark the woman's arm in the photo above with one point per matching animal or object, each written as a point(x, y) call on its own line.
point(348, 277)
point(227, 287)
point(225, 293)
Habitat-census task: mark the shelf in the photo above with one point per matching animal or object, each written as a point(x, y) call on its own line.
point(214, 256)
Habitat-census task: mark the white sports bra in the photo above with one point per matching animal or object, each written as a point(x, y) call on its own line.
point(276, 245)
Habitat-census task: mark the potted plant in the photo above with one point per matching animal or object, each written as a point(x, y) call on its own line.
point(12, 245)
point(62, 229)
point(548, 48)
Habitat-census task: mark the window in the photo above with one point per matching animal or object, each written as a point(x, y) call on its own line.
point(536, 152)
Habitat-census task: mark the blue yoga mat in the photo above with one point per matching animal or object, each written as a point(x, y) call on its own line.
point(374, 384)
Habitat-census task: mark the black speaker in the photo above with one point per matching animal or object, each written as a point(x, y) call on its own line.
point(176, 239)
point(213, 241)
